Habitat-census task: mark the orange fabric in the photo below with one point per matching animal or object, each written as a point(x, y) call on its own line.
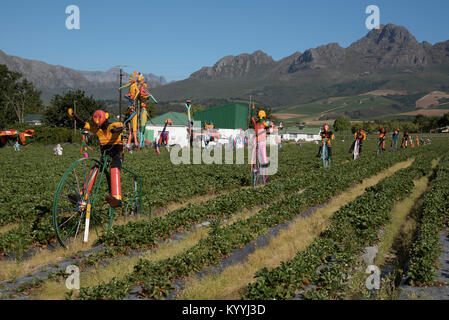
point(329, 135)
point(9, 132)
point(134, 123)
point(91, 180)
point(106, 137)
point(261, 132)
point(22, 138)
point(29, 133)
point(360, 135)
point(116, 190)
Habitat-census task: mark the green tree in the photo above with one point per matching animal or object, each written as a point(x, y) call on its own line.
point(194, 109)
point(17, 97)
point(151, 109)
point(410, 127)
point(420, 120)
point(7, 80)
point(372, 127)
point(393, 125)
point(444, 120)
point(356, 126)
point(25, 99)
point(342, 124)
point(56, 115)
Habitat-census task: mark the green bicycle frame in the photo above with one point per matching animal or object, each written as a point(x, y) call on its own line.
point(92, 197)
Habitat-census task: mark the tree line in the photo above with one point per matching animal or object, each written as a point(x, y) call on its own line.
point(419, 123)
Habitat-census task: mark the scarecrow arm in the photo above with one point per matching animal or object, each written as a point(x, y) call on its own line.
point(117, 130)
point(75, 116)
point(131, 117)
point(126, 85)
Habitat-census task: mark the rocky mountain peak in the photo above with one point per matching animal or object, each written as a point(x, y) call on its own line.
point(236, 66)
point(389, 46)
point(391, 33)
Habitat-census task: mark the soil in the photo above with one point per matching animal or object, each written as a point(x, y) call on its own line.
point(437, 292)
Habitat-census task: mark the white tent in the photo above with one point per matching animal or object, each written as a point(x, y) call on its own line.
point(177, 135)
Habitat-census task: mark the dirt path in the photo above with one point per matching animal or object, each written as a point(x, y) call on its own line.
point(8, 227)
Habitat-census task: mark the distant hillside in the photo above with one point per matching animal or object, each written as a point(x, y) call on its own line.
point(51, 79)
point(43, 75)
point(112, 77)
point(389, 58)
point(433, 99)
point(379, 104)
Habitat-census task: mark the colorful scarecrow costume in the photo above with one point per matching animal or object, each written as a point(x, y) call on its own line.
point(394, 139)
point(382, 138)
point(84, 146)
point(58, 150)
point(14, 135)
point(144, 116)
point(138, 93)
point(260, 127)
point(111, 144)
point(163, 138)
point(405, 139)
point(138, 88)
point(359, 136)
point(326, 137)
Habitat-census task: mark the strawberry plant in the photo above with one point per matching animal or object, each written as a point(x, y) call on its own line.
point(332, 257)
point(219, 244)
point(432, 217)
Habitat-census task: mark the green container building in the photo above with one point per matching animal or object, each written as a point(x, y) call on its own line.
point(228, 116)
point(178, 118)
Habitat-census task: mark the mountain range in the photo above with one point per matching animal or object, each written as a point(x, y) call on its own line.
point(389, 58)
point(51, 79)
point(386, 58)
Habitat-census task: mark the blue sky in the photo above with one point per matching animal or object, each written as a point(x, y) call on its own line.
point(174, 38)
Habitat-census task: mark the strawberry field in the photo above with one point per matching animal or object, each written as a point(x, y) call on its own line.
point(217, 205)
